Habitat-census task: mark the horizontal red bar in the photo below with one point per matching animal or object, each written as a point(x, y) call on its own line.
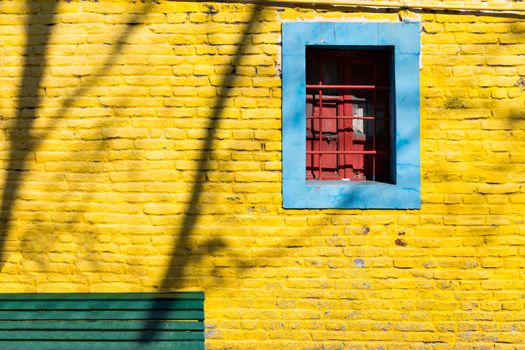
point(345, 87)
point(343, 117)
point(330, 98)
point(344, 152)
point(340, 86)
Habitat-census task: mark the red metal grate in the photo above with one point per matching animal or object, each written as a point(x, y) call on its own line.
point(348, 115)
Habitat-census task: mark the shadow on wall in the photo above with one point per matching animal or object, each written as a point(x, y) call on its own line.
point(182, 253)
point(23, 142)
point(39, 27)
point(38, 31)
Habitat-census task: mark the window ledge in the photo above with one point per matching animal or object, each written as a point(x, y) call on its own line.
point(350, 195)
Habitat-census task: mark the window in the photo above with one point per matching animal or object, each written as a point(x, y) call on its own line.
point(347, 114)
point(351, 115)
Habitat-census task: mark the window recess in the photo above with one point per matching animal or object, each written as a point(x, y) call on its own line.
point(348, 123)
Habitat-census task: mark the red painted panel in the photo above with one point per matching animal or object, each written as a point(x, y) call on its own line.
point(347, 115)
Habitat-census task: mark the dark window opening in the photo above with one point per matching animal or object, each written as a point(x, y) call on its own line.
point(348, 114)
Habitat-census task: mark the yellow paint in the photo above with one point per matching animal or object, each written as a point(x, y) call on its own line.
point(119, 101)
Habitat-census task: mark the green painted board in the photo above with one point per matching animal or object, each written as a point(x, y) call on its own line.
point(102, 304)
point(98, 335)
point(103, 315)
point(103, 325)
point(131, 345)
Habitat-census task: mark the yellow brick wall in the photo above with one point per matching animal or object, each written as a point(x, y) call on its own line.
point(140, 148)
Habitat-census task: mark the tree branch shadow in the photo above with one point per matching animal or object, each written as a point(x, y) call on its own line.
point(183, 253)
point(29, 99)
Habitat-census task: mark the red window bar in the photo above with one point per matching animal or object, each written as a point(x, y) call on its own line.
point(348, 124)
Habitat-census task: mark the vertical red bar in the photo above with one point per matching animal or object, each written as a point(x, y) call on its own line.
point(320, 121)
point(310, 105)
point(340, 111)
point(320, 132)
point(374, 120)
point(347, 123)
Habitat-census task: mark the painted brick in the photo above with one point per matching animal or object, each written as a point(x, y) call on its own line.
point(123, 111)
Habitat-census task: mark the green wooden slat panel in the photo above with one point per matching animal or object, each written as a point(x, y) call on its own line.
point(98, 335)
point(103, 315)
point(102, 304)
point(43, 345)
point(101, 325)
point(95, 296)
point(84, 316)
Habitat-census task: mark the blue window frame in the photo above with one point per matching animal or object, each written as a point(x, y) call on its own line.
point(404, 191)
